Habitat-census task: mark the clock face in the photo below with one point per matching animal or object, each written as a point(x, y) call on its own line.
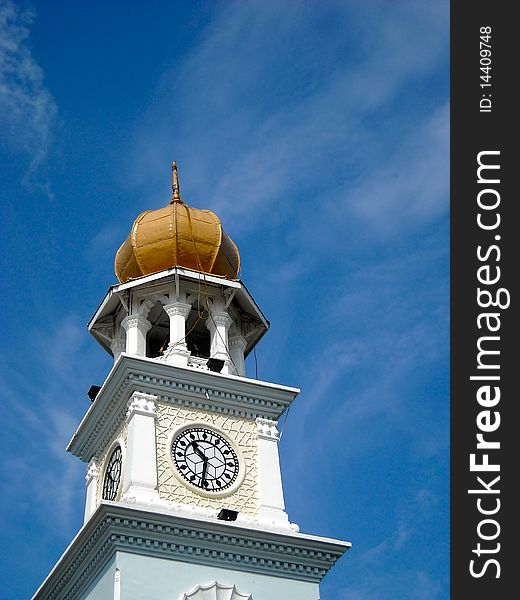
point(112, 475)
point(205, 459)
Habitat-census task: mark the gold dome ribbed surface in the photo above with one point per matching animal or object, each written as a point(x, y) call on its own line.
point(176, 236)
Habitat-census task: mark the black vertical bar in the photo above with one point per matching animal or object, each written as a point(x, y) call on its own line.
point(484, 119)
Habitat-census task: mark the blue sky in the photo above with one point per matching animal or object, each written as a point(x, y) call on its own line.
point(318, 132)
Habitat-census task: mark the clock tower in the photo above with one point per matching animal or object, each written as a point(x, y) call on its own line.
point(184, 495)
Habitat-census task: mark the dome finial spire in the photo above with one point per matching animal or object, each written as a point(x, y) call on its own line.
point(176, 235)
point(176, 197)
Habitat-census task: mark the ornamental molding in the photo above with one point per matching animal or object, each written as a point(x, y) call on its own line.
point(239, 342)
point(136, 321)
point(106, 330)
point(175, 309)
point(249, 326)
point(92, 472)
point(198, 362)
point(266, 429)
point(149, 500)
point(178, 386)
point(141, 404)
point(215, 591)
point(140, 495)
point(175, 349)
point(118, 345)
point(115, 527)
point(219, 318)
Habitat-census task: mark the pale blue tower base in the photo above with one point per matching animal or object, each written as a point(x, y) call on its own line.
point(143, 577)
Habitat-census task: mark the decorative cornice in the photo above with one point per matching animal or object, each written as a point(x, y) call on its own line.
point(225, 394)
point(115, 527)
point(101, 425)
point(266, 429)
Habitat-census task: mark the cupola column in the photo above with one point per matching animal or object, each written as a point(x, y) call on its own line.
point(91, 481)
point(136, 328)
point(218, 325)
point(177, 352)
point(140, 464)
point(237, 346)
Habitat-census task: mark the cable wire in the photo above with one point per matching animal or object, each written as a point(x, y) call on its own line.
point(285, 421)
point(256, 362)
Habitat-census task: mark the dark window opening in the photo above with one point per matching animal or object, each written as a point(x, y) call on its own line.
point(198, 339)
point(158, 337)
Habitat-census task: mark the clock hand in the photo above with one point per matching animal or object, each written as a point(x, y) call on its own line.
point(198, 451)
point(204, 468)
point(204, 458)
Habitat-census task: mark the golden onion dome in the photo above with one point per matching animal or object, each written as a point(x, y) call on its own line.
point(176, 236)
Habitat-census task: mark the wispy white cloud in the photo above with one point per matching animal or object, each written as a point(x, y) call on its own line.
point(406, 585)
point(27, 109)
point(40, 414)
point(380, 318)
point(377, 404)
point(248, 157)
point(371, 575)
point(412, 187)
